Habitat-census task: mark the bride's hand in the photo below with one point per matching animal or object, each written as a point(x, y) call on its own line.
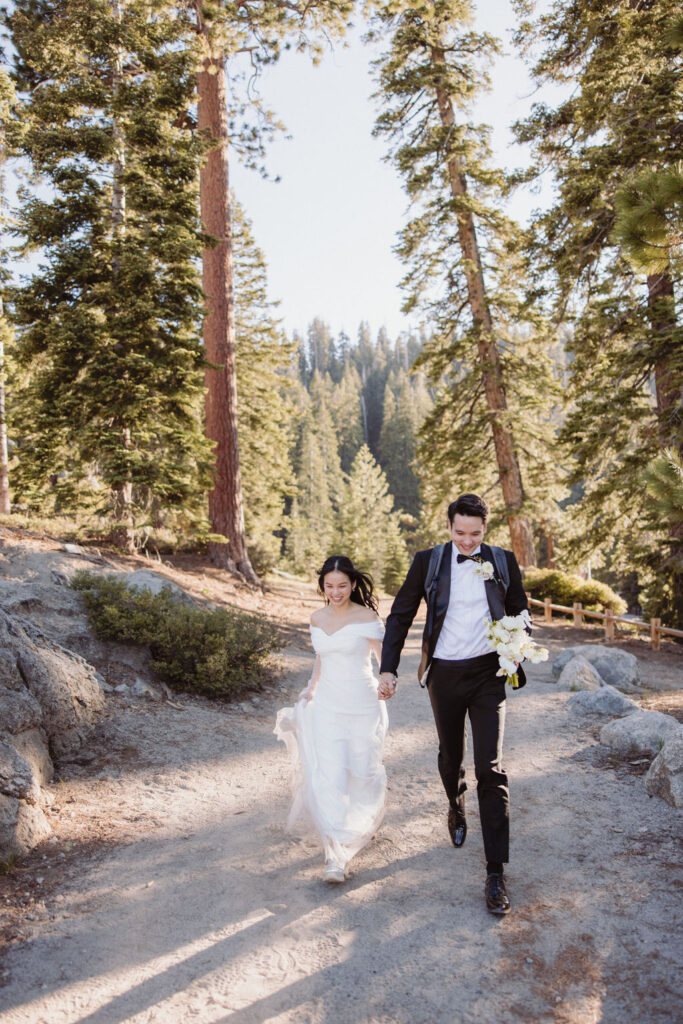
point(307, 694)
point(387, 686)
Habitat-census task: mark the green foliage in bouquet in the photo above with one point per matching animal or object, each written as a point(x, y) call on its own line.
point(566, 588)
point(217, 652)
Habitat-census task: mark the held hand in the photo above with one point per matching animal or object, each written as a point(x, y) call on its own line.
point(307, 694)
point(387, 686)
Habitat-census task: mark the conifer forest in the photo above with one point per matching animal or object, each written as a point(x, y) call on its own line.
point(148, 389)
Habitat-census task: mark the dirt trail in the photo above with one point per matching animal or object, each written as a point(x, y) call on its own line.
point(187, 902)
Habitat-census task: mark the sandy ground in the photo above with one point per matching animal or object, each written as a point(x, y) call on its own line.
point(171, 894)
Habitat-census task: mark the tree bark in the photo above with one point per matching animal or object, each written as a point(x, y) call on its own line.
point(123, 534)
point(494, 387)
point(5, 507)
point(662, 308)
point(226, 510)
point(118, 195)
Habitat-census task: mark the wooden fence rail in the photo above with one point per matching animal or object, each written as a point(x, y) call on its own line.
point(578, 613)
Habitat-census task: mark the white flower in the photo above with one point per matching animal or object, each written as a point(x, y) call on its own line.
point(485, 570)
point(513, 644)
point(507, 647)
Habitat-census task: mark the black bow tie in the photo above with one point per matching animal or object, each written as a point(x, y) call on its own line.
point(468, 558)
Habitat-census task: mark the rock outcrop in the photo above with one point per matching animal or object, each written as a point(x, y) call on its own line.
point(665, 775)
point(146, 579)
point(616, 667)
point(50, 700)
point(643, 732)
point(579, 674)
point(605, 701)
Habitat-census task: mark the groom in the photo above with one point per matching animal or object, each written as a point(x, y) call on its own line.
point(460, 665)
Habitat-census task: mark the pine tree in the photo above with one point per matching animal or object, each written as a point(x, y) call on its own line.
point(401, 423)
point(648, 220)
point(463, 259)
point(662, 560)
point(226, 29)
point(664, 482)
point(371, 362)
point(347, 415)
point(619, 127)
point(362, 368)
point(263, 356)
point(322, 355)
point(312, 526)
point(108, 324)
point(396, 560)
point(369, 526)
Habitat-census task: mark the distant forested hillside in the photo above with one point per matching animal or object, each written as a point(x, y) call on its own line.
point(358, 410)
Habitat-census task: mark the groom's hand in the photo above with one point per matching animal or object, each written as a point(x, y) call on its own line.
point(387, 685)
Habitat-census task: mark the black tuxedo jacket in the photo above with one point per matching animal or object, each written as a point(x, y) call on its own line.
point(407, 601)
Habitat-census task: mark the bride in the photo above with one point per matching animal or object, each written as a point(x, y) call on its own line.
point(335, 732)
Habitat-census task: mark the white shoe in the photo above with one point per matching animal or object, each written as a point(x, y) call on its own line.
point(333, 873)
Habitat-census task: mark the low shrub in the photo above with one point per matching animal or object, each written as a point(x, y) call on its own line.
point(594, 594)
point(213, 651)
point(566, 588)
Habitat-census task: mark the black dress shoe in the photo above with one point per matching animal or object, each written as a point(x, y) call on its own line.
point(496, 895)
point(457, 827)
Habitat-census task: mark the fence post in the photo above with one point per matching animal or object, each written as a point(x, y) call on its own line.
point(610, 625)
point(578, 617)
point(547, 610)
point(655, 637)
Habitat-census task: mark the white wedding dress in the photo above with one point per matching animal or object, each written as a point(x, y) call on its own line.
point(336, 744)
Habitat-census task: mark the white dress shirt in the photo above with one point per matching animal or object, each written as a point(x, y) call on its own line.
point(463, 634)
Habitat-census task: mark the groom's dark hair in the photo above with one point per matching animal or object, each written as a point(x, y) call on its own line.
point(468, 505)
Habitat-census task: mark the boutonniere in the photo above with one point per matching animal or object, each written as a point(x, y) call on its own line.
point(485, 570)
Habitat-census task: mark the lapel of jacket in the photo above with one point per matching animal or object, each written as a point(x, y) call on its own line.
point(443, 593)
point(494, 591)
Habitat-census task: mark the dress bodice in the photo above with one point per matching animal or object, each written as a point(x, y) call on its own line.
point(347, 683)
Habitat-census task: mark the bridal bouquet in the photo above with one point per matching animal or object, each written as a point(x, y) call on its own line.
point(513, 644)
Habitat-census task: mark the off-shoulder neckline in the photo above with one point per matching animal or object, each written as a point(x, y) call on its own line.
point(366, 622)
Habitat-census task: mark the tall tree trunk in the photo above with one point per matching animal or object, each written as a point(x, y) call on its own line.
point(226, 511)
point(123, 534)
point(118, 194)
point(494, 387)
point(5, 507)
point(662, 309)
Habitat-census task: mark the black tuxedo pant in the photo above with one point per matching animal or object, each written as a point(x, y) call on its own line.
point(471, 687)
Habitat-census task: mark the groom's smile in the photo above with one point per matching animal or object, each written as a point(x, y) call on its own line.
point(467, 533)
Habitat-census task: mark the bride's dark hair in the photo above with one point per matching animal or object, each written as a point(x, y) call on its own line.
point(363, 592)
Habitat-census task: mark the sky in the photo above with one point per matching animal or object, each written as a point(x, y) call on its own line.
point(328, 227)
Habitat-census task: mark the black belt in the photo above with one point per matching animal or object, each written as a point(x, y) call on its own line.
point(481, 659)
